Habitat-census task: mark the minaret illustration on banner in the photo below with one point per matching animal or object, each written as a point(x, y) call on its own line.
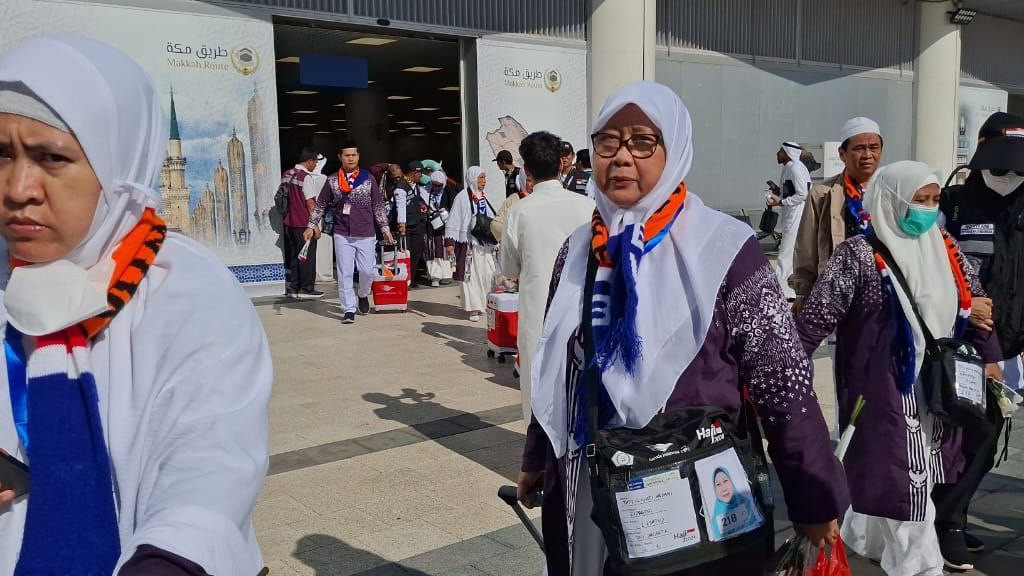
point(240, 228)
point(257, 155)
point(222, 201)
point(173, 190)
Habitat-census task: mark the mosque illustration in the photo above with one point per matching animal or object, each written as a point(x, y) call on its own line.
point(222, 215)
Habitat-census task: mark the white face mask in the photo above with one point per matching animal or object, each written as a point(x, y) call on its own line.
point(1003, 185)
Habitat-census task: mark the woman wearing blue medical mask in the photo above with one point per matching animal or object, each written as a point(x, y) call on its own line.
point(895, 459)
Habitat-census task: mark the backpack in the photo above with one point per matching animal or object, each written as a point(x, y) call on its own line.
point(281, 197)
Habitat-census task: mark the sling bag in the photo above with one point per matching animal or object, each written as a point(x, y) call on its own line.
point(953, 373)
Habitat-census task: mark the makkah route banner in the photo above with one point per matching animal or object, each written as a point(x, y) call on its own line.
point(524, 88)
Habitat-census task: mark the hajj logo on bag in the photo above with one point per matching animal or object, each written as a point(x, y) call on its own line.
point(713, 433)
point(246, 61)
point(552, 80)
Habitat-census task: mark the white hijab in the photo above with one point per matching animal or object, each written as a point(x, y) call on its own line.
point(119, 122)
point(923, 260)
point(677, 283)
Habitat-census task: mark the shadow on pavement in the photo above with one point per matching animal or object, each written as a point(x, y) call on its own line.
point(324, 308)
point(329, 556)
point(437, 309)
point(471, 342)
point(495, 448)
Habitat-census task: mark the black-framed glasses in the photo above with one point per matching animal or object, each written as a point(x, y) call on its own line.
point(639, 146)
point(1001, 173)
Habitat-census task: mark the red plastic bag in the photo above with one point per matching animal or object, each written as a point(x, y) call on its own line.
point(833, 564)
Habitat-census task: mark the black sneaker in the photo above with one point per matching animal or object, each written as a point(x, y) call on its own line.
point(974, 544)
point(364, 306)
point(309, 294)
point(350, 318)
point(954, 550)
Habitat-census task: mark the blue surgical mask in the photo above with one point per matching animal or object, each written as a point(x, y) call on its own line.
point(919, 219)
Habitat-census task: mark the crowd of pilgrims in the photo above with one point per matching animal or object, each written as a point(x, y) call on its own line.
point(666, 352)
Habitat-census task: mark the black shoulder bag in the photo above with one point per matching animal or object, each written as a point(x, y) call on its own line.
point(953, 373)
point(481, 225)
point(689, 488)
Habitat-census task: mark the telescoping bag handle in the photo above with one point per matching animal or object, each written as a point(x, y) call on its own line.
point(953, 380)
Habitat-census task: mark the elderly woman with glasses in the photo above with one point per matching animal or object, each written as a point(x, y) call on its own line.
point(686, 312)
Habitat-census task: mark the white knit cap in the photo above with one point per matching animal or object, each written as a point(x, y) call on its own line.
point(858, 125)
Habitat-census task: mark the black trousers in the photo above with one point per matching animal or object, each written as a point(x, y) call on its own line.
point(416, 245)
point(301, 275)
point(980, 443)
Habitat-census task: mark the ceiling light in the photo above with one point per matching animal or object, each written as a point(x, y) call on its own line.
point(962, 16)
point(322, 132)
point(393, 130)
point(439, 132)
point(420, 69)
point(450, 89)
point(289, 60)
point(305, 112)
point(426, 109)
point(370, 81)
point(415, 128)
point(342, 105)
point(419, 134)
point(341, 129)
point(302, 92)
point(339, 120)
point(456, 123)
point(284, 127)
point(371, 41)
point(406, 122)
point(399, 97)
point(305, 124)
point(448, 118)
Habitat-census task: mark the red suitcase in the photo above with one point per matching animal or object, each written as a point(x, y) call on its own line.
point(391, 285)
point(400, 255)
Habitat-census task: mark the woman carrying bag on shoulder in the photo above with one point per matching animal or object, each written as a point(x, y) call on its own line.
point(664, 318)
point(468, 236)
point(874, 293)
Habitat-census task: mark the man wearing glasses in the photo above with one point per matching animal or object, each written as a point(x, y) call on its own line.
point(986, 216)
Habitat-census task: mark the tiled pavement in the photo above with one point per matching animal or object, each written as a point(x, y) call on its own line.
point(391, 437)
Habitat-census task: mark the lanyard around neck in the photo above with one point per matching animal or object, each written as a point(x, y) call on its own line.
point(17, 382)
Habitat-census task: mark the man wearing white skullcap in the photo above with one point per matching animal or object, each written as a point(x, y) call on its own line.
point(834, 209)
point(790, 195)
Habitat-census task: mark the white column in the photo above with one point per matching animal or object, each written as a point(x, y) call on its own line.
point(620, 46)
point(936, 82)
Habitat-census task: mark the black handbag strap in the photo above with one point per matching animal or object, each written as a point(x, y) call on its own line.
point(883, 251)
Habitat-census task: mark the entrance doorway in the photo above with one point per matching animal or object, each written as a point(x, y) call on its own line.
point(410, 109)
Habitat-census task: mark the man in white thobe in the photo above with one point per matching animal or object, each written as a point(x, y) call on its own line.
point(535, 230)
point(790, 194)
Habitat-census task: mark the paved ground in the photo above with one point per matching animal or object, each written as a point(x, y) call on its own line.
point(390, 438)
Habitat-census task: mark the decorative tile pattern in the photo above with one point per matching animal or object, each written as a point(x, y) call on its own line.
point(258, 273)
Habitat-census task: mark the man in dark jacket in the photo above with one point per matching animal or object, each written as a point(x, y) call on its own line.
point(986, 216)
point(415, 226)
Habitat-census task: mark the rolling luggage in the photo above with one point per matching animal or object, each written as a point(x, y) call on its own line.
point(391, 284)
point(399, 253)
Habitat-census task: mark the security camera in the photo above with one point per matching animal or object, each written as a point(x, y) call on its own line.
point(383, 22)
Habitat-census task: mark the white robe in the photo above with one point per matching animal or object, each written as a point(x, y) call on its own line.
point(789, 221)
point(535, 229)
point(481, 265)
point(184, 375)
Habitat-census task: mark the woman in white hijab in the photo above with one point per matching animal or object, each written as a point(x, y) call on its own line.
point(899, 451)
point(476, 264)
point(687, 313)
point(136, 366)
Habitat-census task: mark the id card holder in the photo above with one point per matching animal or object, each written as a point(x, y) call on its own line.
point(346, 209)
point(657, 514)
point(970, 382)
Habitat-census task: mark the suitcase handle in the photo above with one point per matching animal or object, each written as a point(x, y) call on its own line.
point(509, 495)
